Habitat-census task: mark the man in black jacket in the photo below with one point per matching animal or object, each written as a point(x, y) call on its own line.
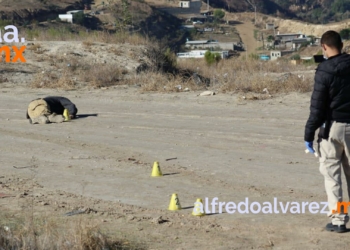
point(330, 113)
point(50, 109)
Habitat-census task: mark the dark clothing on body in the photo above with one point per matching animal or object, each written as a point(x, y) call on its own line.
point(330, 100)
point(57, 104)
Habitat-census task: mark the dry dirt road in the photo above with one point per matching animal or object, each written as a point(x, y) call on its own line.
point(225, 148)
point(246, 32)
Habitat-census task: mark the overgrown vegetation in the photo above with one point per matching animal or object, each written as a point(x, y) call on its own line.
point(253, 76)
point(212, 57)
point(50, 233)
point(219, 14)
point(79, 18)
point(345, 34)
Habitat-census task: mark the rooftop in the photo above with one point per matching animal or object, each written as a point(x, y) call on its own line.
point(197, 42)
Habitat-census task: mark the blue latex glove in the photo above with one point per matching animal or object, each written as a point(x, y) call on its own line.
point(309, 146)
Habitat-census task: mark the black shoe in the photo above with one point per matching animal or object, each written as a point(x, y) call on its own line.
point(335, 228)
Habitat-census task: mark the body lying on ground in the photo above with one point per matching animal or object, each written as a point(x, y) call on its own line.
point(50, 109)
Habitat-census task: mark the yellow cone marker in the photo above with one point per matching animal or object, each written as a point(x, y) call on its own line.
point(156, 170)
point(174, 203)
point(198, 209)
point(66, 115)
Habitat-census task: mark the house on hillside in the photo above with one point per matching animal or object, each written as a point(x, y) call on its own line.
point(66, 18)
point(288, 37)
point(200, 54)
point(185, 3)
point(270, 26)
point(74, 11)
point(275, 54)
point(295, 44)
point(210, 44)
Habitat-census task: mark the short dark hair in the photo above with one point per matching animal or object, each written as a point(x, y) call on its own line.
point(332, 39)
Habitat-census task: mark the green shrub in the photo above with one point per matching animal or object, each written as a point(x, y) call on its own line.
point(254, 56)
point(345, 33)
point(4, 23)
point(79, 18)
point(211, 58)
point(219, 14)
point(295, 57)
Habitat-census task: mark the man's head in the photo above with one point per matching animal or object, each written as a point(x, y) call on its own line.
point(331, 43)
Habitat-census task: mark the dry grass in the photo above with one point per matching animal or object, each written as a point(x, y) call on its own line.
point(46, 233)
point(54, 81)
point(78, 73)
point(236, 75)
point(101, 75)
point(34, 47)
point(159, 82)
point(88, 38)
point(249, 75)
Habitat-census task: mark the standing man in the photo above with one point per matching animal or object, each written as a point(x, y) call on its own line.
point(330, 111)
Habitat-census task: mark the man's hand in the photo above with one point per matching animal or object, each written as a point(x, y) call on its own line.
point(309, 146)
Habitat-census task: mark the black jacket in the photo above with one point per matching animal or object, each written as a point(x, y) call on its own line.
point(57, 104)
point(330, 100)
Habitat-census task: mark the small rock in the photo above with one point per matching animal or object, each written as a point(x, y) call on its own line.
point(207, 93)
point(159, 220)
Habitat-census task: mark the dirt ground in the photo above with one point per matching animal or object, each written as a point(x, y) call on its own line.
point(246, 32)
point(224, 147)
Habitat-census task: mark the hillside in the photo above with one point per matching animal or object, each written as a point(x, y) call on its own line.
point(315, 11)
point(19, 11)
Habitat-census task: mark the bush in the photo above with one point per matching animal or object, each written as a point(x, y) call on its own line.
point(254, 56)
point(219, 14)
point(161, 58)
point(345, 33)
point(79, 18)
point(270, 38)
point(295, 57)
point(211, 58)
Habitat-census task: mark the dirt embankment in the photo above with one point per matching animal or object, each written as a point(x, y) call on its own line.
point(26, 10)
point(290, 26)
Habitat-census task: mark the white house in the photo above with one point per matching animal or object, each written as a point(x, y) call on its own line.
point(200, 54)
point(289, 37)
point(185, 3)
point(211, 44)
point(270, 26)
point(74, 11)
point(66, 18)
point(275, 54)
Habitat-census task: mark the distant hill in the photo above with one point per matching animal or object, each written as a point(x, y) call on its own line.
point(314, 11)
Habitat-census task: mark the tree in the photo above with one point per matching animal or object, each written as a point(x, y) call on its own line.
point(345, 33)
point(125, 12)
point(295, 57)
point(211, 58)
point(270, 38)
point(79, 18)
point(219, 14)
point(340, 6)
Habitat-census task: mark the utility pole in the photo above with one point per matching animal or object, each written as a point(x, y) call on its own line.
point(254, 6)
point(207, 5)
